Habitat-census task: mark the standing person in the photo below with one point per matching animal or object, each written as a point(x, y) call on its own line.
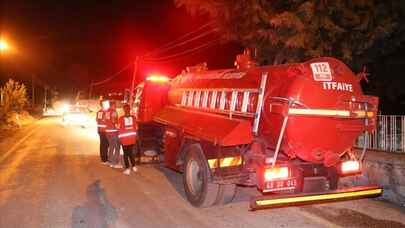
point(101, 127)
point(127, 136)
point(112, 136)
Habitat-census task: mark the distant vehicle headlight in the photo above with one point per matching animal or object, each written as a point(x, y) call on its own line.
point(65, 108)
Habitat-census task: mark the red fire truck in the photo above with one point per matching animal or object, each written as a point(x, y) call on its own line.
point(283, 128)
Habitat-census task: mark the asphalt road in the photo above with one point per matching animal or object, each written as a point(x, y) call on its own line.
point(50, 176)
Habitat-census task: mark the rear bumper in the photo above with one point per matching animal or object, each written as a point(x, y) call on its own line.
point(262, 202)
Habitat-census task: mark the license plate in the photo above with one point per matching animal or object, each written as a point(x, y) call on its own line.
point(280, 185)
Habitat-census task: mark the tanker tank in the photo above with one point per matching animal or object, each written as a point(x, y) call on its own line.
point(314, 110)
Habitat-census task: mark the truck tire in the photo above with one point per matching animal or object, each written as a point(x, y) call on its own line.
point(226, 194)
point(333, 178)
point(200, 190)
point(300, 182)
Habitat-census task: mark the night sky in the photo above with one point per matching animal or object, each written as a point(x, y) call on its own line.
point(67, 44)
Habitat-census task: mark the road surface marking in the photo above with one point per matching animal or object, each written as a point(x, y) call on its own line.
point(15, 146)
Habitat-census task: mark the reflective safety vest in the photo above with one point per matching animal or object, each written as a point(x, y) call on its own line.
point(100, 119)
point(111, 119)
point(127, 134)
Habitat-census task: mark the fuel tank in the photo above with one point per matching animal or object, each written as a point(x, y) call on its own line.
point(320, 103)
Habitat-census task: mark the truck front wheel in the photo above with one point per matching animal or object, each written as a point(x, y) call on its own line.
point(200, 190)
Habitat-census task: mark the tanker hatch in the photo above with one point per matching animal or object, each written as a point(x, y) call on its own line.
point(245, 61)
point(199, 68)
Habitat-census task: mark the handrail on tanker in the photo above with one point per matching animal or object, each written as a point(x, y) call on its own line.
point(259, 102)
point(280, 137)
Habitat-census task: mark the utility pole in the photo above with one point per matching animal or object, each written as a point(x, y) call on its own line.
point(45, 98)
point(131, 98)
point(33, 89)
point(91, 89)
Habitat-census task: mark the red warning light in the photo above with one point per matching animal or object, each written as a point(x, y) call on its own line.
point(157, 78)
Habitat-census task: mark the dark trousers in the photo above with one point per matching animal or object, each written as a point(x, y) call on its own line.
point(113, 148)
point(103, 146)
point(128, 155)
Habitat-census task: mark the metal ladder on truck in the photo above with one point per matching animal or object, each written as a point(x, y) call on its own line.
point(197, 98)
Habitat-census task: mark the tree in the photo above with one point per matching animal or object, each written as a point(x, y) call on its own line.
point(13, 97)
point(295, 30)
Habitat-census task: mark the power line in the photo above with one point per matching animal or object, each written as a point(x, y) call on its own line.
point(112, 76)
point(180, 39)
point(189, 51)
point(165, 49)
point(168, 46)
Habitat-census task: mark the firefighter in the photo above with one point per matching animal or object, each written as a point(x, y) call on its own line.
point(101, 127)
point(127, 136)
point(112, 136)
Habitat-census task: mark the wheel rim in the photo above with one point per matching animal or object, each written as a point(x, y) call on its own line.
point(194, 178)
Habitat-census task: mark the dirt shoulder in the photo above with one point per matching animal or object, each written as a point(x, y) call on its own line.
point(14, 123)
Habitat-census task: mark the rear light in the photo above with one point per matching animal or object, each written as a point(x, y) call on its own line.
point(276, 173)
point(363, 114)
point(350, 166)
point(276, 179)
point(370, 114)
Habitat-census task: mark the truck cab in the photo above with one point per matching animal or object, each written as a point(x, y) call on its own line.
point(150, 97)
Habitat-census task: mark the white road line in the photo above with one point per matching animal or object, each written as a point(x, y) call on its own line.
point(18, 143)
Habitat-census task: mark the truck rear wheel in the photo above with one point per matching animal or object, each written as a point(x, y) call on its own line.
point(200, 190)
point(333, 178)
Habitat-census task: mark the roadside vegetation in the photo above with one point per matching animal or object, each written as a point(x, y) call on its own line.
point(13, 105)
point(356, 32)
